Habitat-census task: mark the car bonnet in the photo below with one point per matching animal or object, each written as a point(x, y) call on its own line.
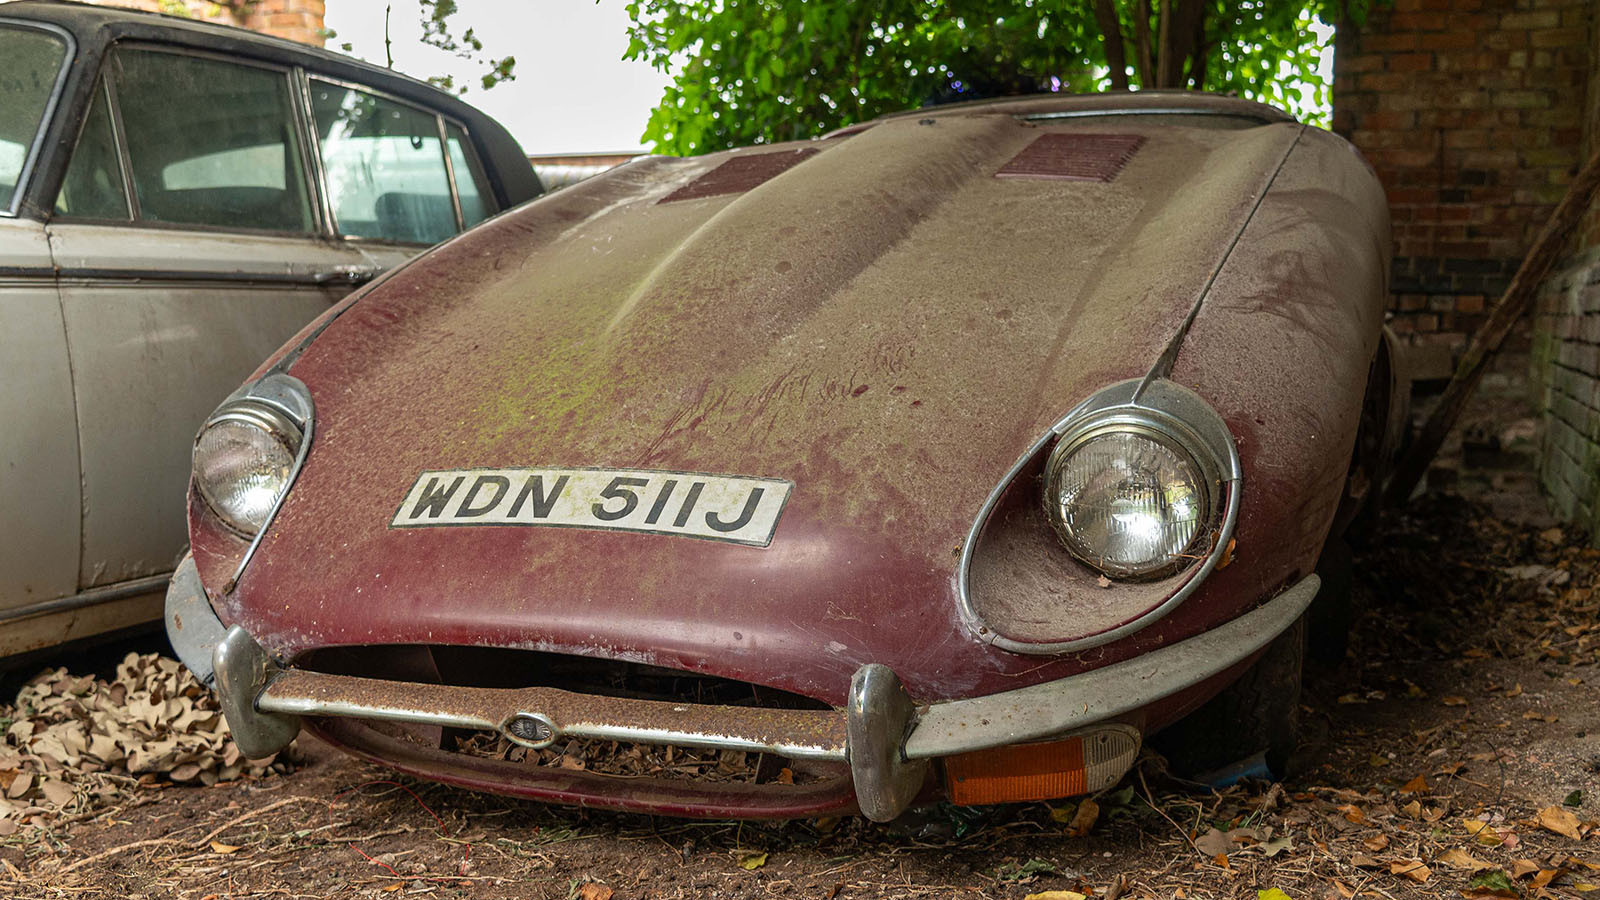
point(885, 321)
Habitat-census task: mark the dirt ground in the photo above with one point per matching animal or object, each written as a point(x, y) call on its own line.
point(1455, 751)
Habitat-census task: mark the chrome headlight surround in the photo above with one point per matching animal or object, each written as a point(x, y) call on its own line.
point(1165, 430)
point(280, 406)
point(1166, 408)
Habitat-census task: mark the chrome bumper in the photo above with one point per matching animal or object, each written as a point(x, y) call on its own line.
point(881, 733)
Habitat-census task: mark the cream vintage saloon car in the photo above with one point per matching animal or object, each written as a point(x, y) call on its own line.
point(177, 199)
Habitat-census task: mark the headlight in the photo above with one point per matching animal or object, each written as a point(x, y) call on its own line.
point(243, 461)
point(1128, 500)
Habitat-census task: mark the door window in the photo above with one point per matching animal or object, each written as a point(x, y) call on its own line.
point(385, 169)
point(211, 142)
point(93, 188)
point(470, 184)
point(33, 62)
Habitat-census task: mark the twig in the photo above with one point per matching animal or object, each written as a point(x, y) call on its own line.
point(1176, 827)
point(253, 813)
point(152, 842)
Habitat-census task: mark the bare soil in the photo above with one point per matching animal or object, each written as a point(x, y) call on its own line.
point(1454, 752)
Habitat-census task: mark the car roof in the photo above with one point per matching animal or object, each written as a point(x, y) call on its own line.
point(91, 24)
point(94, 28)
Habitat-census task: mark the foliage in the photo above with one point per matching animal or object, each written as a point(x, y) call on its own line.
point(436, 33)
point(750, 71)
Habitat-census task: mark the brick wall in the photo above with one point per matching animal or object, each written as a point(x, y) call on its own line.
point(296, 20)
point(1566, 356)
point(1472, 113)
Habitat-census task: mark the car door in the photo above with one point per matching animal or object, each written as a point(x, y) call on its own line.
point(39, 499)
point(189, 245)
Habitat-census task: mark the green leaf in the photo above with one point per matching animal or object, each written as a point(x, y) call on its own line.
point(1492, 880)
point(1573, 799)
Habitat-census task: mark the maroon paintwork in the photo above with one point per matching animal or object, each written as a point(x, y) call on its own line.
point(884, 323)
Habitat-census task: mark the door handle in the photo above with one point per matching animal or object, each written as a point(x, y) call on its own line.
point(353, 275)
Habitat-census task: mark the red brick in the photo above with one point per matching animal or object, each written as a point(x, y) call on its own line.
point(1406, 62)
point(1521, 99)
point(1525, 21)
point(1397, 121)
point(1448, 40)
point(1558, 37)
point(1423, 21)
point(1384, 42)
point(1387, 82)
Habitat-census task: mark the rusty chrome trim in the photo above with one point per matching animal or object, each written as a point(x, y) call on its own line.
point(273, 395)
point(799, 734)
point(242, 669)
point(1148, 111)
point(149, 584)
point(1163, 406)
point(1046, 710)
point(881, 733)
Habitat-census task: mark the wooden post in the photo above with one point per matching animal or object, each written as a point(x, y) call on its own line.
point(1502, 316)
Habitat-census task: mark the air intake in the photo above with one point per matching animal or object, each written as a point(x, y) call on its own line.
point(740, 174)
point(1073, 157)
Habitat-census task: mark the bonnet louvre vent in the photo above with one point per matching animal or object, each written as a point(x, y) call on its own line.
point(1073, 157)
point(740, 174)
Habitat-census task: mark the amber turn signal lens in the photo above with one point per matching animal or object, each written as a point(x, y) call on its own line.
point(1074, 765)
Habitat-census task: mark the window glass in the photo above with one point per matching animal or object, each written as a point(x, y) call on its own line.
point(211, 143)
point(470, 184)
point(93, 188)
point(32, 63)
point(385, 169)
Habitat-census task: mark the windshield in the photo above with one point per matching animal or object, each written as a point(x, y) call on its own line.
point(35, 59)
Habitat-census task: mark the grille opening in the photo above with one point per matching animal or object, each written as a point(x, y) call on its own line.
point(663, 761)
point(490, 667)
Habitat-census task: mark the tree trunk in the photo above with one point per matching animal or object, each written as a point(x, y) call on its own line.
point(1141, 32)
point(1164, 57)
point(1105, 14)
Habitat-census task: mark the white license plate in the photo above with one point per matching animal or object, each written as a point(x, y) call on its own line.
point(716, 507)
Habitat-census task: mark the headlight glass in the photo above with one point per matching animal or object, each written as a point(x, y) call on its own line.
point(1127, 502)
point(242, 462)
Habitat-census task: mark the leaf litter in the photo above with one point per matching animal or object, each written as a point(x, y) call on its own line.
point(1449, 812)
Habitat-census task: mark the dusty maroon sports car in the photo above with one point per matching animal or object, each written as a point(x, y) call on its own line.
point(954, 454)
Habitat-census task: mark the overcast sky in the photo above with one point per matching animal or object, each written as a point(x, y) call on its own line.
point(573, 93)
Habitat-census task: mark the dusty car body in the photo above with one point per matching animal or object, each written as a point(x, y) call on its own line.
point(747, 452)
point(176, 199)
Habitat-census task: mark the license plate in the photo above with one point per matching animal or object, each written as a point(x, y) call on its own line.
point(730, 508)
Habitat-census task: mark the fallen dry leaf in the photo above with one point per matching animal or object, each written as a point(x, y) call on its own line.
point(1460, 859)
point(1412, 869)
point(1083, 819)
point(747, 859)
point(1417, 785)
point(1376, 843)
point(1558, 820)
point(594, 891)
point(1521, 867)
point(1056, 895)
point(219, 847)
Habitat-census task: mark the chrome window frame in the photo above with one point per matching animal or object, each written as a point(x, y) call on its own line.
point(29, 162)
point(125, 157)
point(440, 121)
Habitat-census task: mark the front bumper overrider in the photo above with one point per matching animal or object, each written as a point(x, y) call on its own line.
point(885, 737)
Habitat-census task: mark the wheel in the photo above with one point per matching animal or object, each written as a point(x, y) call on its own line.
point(1258, 713)
point(1333, 612)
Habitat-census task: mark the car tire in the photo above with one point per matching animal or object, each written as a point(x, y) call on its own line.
point(1256, 714)
point(1333, 612)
